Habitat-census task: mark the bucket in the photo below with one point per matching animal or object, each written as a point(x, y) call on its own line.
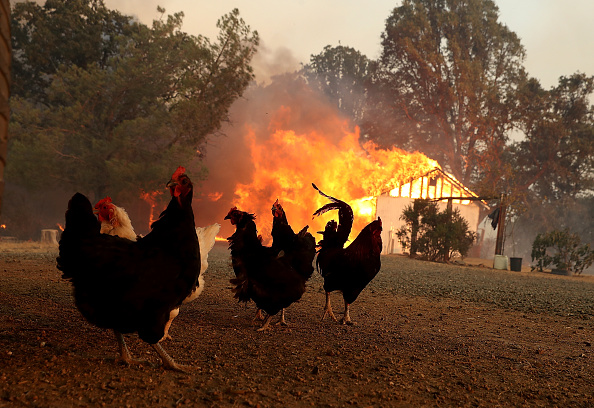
point(500, 262)
point(515, 264)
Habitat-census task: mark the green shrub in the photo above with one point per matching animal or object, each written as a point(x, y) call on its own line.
point(563, 250)
point(435, 235)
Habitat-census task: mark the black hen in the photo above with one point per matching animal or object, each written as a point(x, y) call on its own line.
point(348, 270)
point(262, 274)
point(133, 286)
point(299, 249)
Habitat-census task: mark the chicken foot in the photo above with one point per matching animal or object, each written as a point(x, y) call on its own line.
point(347, 317)
point(266, 325)
point(168, 362)
point(259, 316)
point(328, 309)
point(125, 355)
point(282, 321)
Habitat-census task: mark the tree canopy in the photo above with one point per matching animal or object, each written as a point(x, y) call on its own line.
point(446, 83)
point(119, 104)
point(556, 157)
point(341, 74)
point(73, 32)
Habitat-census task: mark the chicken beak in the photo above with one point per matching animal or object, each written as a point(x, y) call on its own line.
point(171, 183)
point(95, 211)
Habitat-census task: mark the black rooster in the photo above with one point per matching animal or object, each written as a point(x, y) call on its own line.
point(299, 249)
point(262, 274)
point(348, 270)
point(133, 286)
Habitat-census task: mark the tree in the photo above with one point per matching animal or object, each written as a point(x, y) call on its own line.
point(555, 160)
point(562, 249)
point(437, 235)
point(446, 83)
point(341, 74)
point(5, 69)
point(553, 165)
point(61, 32)
point(119, 124)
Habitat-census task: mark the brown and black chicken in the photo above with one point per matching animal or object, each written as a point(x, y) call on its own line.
point(133, 286)
point(262, 274)
point(348, 270)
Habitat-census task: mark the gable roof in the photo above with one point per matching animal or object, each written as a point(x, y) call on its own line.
point(432, 176)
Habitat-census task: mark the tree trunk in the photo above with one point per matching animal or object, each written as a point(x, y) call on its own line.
point(5, 58)
point(49, 237)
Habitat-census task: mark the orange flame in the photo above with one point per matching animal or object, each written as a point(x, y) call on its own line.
point(60, 226)
point(151, 199)
point(3, 226)
point(287, 163)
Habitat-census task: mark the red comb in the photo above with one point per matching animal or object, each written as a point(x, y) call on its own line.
point(180, 170)
point(104, 201)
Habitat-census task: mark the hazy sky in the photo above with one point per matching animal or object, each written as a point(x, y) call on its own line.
point(558, 34)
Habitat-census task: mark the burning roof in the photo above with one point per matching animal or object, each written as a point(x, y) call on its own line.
point(435, 184)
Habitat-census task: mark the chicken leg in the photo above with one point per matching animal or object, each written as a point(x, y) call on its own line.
point(172, 315)
point(125, 356)
point(168, 362)
point(259, 315)
point(347, 317)
point(282, 321)
point(328, 309)
point(266, 325)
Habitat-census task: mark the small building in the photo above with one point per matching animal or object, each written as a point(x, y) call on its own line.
point(437, 185)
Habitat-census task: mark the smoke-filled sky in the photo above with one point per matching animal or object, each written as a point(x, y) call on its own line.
point(558, 35)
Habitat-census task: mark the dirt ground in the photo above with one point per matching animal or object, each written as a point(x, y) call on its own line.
point(406, 349)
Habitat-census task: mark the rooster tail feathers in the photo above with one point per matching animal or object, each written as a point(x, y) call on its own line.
point(241, 289)
point(329, 207)
point(206, 237)
point(324, 194)
point(305, 237)
point(206, 240)
point(345, 219)
point(344, 209)
point(303, 231)
point(197, 290)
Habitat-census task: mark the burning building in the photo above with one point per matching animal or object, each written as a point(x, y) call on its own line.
point(284, 138)
point(436, 184)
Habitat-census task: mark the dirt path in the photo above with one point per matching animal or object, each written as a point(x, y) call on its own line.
point(405, 350)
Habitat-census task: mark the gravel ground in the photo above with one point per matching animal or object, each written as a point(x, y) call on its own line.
point(526, 291)
point(427, 334)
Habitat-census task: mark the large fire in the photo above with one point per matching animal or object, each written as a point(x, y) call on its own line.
point(287, 163)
